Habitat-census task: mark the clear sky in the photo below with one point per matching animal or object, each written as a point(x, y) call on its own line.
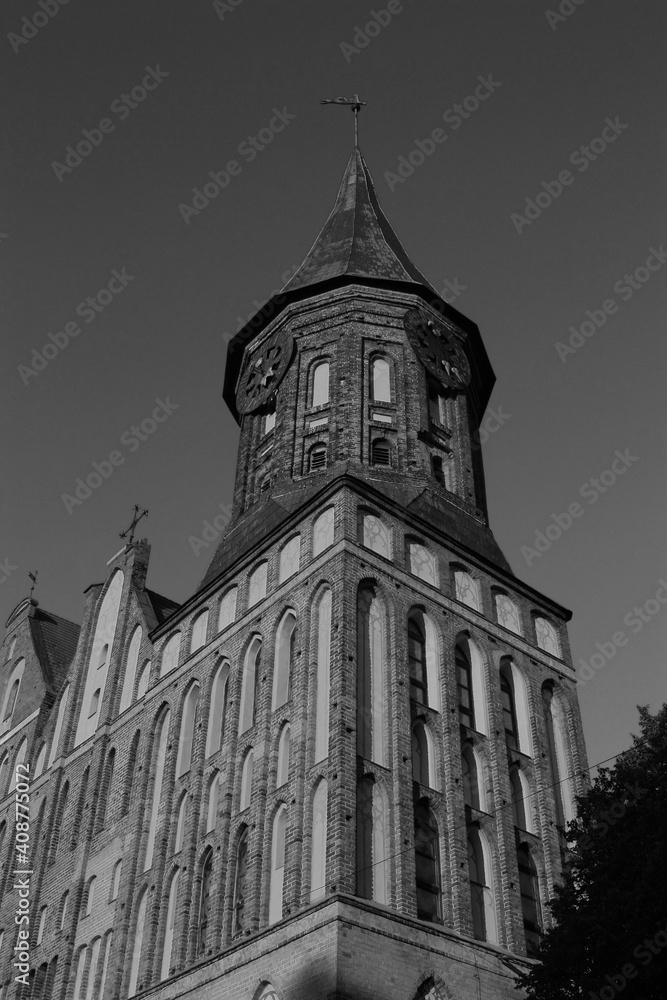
point(218, 76)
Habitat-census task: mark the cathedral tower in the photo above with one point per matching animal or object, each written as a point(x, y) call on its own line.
point(342, 769)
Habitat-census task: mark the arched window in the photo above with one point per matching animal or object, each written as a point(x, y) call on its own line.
point(481, 894)
point(62, 708)
point(423, 763)
point(42, 923)
point(289, 558)
point(323, 676)
point(284, 660)
point(205, 903)
point(241, 879)
point(131, 669)
point(169, 929)
point(64, 910)
point(471, 796)
point(19, 760)
point(161, 737)
point(115, 879)
point(317, 458)
point(509, 708)
point(427, 864)
point(92, 968)
point(11, 695)
point(227, 608)
point(516, 711)
point(105, 964)
point(520, 803)
point(381, 452)
point(39, 765)
point(466, 590)
point(246, 781)
point(251, 669)
point(318, 856)
point(283, 756)
point(144, 677)
point(257, 584)
point(371, 658)
point(547, 636)
point(103, 639)
point(213, 800)
point(471, 686)
point(376, 535)
point(323, 531)
point(423, 564)
point(554, 719)
point(381, 381)
point(464, 686)
point(218, 709)
point(277, 865)
point(199, 630)
point(129, 773)
point(530, 900)
point(320, 383)
point(180, 824)
point(80, 966)
point(105, 791)
point(187, 731)
point(507, 613)
point(170, 654)
point(417, 661)
point(90, 896)
point(372, 840)
point(138, 941)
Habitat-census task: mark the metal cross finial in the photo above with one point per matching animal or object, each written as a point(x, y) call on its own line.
point(33, 577)
point(356, 105)
point(135, 521)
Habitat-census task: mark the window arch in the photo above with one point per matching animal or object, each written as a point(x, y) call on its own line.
point(199, 631)
point(144, 678)
point(227, 613)
point(470, 771)
point(277, 865)
point(372, 840)
point(105, 963)
point(283, 756)
point(80, 966)
point(62, 708)
point(218, 708)
point(530, 899)
point(320, 383)
point(485, 924)
point(323, 675)
point(115, 879)
point(161, 738)
point(466, 589)
point(516, 711)
point(284, 660)
point(423, 756)
point(11, 696)
point(423, 660)
point(98, 665)
point(251, 667)
point(507, 613)
point(169, 928)
point(89, 898)
point(170, 654)
point(323, 531)
point(381, 379)
point(42, 923)
point(376, 535)
point(185, 742)
point(246, 781)
point(257, 584)
point(427, 864)
point(318, 856)
point(138, 942)
point(381, 452)
point(470, 686)
point(64, 909)
point(317, 457)
point(180, 823)
point(422, 563)
point(290, 555)
point(18, 761)
point(555, 724)
point(371, 658)
point(131, 669)
point(547, 636)
point(205, 902)
point(520, 799)
point(213, 800)
point(241, 880)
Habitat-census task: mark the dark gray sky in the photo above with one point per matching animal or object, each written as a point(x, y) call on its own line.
point(222, 73)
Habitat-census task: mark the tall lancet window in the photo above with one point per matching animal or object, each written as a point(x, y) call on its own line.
point(187, 730)
point(277, 865)
point(241, 885)
point(318, 857)
point(161, 737)
point(323, 676)
point(131, 669)
point(205, 914)
point(217, 709)
point(98, 664)
point(138, 942)
point(381, 381)
point(372, 840)
point(320, 383)
point(427, 864)
point(481, 893)
point(284, 660)
point(371, 655)
point(251, 667)
point(169, 929)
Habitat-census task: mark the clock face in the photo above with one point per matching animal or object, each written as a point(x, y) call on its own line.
point(438, 349)
point(264, 372)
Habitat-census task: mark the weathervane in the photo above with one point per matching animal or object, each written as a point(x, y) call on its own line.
point(33, 577)
point(356, 105)
point(135, 521)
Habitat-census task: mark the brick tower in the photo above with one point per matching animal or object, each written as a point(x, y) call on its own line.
point(342, 769)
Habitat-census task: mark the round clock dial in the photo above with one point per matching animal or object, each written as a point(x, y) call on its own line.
point(437, 349)
point(264, 372)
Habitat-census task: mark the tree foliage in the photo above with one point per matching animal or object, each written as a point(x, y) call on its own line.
point(610, 936)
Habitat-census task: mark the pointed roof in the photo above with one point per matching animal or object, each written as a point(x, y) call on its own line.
point(357, 239)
